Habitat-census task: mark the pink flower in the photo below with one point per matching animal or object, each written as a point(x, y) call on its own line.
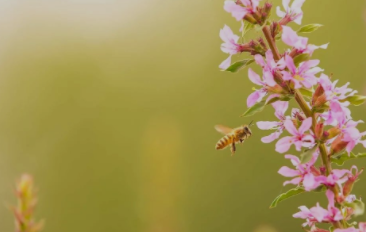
point(337, 112)
point(353, 137)
point(241, 8)
point(302, 76)
point(294, 12)
point(319, 214)
point(300, 43)
point(332, 92)
point(229, 46)
point(298, 138)
point(338, 176)
point(269, 65)
point(258, 95)
point(280, 109)
point(303, 173)
point(351, 229)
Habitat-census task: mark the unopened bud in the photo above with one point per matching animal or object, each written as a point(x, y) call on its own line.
point(262, 43)
point(319, 130)
point(319, 98)
point(323, 170)
point(250, 19)
point(338, 145)
point(348, 186)
point(333, 132)
point(299, 116)
point(27, 201)
point(266, 11)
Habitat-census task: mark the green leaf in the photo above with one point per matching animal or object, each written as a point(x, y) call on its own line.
point(307, 155)
point(258, 107)
point(284, 196)
point(306, 92)
point(239, 65)
point(340, 159)
point(320, 189)
point(286, 97)
point(309, 28)
point(358, 207)
point(301, 58)
point(355, 100)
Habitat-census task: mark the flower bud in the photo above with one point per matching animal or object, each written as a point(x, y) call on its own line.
point(300, 116)
point(266, 12)
point(27, 201)
point(250, 18)
point(348, 186)
point(319, 130)
point(338, 145)
point(263, 44)
point(333, 132)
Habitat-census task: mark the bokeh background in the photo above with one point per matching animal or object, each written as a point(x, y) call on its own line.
point(111, 106)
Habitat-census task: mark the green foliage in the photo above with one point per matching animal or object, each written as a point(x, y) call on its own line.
point(307, 155)
point(239, 65)
point(355, 100)
point(301, 58)
point(340, 159)
point(284, 196)
point(306, 92)
point(258, 107)
point(309, 28)
point(358, 207)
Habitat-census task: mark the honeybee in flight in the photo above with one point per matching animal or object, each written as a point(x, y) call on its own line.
point(232, 136)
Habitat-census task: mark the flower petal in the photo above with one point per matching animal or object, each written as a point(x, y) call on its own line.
point(254, 77)
point(284, 144)
point(270, 138)
point(288, 172)
point(305, 126)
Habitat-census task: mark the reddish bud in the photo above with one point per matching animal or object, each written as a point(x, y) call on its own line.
point(333, 132)
point(338, 145)
point(319, 130)
point(250, 18)
point(323, 170)
point(299, 116)
point(348, 186)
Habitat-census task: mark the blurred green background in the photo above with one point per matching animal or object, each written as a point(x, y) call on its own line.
point(111, 106)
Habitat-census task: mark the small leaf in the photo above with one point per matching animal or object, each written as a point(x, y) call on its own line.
point(306, 92)
point(288, 194)
point(339, 160)
point(239, 65)
point(307, 155)
point(285, 97)
point(320, 189)
point(355, 100)
point(309, 28)
point(301, 58)
point(258, 107)
point(358, 207)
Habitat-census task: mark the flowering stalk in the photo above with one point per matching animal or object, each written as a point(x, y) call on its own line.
point(24, 212)
point(322, 127)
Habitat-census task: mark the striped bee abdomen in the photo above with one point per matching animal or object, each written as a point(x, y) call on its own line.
point(224, 142)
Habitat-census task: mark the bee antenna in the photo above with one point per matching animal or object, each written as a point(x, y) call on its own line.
point(251, 123)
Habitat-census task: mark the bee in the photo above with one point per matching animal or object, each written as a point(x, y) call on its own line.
point(232, 136)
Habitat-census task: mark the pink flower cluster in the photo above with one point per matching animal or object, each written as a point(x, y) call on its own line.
point(322, 127)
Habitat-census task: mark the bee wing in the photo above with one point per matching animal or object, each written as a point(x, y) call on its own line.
point(223, 129)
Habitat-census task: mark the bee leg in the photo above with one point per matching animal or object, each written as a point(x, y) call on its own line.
point(241, 141)
point(233, 148)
